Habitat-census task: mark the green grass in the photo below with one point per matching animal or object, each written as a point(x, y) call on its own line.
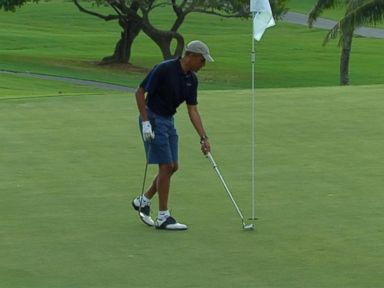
point(72, 161)
point(71, 164)
point(10, 87)
point(66, 42)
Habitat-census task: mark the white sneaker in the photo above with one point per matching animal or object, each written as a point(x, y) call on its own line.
point(144, 211)
point(169, 223)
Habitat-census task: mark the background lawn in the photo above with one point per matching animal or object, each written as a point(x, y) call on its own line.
point(71, 163)
point(67, 42)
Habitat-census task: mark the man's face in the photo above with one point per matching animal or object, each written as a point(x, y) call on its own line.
point(198, 62)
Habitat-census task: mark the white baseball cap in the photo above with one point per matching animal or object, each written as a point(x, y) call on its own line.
point(197, 46)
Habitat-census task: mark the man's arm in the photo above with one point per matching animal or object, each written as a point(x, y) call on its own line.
point(147, 131)
point(140, 101)
point(197, 123)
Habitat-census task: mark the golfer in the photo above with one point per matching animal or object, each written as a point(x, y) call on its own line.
point(166, 86)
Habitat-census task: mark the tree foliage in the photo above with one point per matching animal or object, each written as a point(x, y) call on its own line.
point(366, 13)
point(11, 5)
point(357, 13)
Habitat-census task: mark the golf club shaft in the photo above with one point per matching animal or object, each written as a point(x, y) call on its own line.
point(209, 155)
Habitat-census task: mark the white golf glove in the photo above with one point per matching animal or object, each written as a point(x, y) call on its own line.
point(148, 134)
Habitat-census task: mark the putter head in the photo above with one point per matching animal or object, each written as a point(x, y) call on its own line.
point(248, 226)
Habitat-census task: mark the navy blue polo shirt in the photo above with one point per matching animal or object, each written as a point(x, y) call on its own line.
point(167, 86)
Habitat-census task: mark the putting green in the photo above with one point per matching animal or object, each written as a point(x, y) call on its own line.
point(71, 165)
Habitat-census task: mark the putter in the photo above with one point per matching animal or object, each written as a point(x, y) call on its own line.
point(245, 226)
point(146, 219)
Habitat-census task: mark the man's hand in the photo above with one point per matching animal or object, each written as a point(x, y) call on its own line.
point(148, 134)
point(205, 146)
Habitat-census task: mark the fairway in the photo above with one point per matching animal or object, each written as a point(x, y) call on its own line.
point(72, 162)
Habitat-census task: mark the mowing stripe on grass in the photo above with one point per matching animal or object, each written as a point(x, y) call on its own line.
point(97, 84)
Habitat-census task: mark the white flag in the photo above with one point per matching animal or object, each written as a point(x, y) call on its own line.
point(263, 17)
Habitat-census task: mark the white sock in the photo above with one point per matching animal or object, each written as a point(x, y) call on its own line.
point(162, 215)
point(144, 200)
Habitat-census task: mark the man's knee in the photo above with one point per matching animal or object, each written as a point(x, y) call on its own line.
point(175, 167)
point(168, 168)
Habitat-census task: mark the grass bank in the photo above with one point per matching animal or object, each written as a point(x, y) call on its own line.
point(55, 38)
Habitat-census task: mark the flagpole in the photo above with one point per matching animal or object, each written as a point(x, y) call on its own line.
point(253, 59)
point(262, 18)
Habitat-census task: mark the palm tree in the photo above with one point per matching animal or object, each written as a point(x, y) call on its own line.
point(370, 12)
point(357, 13)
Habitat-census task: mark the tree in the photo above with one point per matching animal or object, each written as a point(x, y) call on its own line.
point(128, 19)
point(369, 13)
point(133, 17)
point(357, 13)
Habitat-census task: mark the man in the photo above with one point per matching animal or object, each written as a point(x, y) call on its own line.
point(166, 86)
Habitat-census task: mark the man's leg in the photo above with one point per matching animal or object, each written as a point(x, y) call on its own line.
point(164, 182)
point(152, 190)
point(164, 219)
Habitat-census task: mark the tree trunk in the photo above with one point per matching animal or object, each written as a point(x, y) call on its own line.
point(122, 53)
point(345, 55)
point(165, 46)
point(163, 39)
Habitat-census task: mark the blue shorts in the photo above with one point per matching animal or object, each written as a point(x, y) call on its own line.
point(164, 148)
